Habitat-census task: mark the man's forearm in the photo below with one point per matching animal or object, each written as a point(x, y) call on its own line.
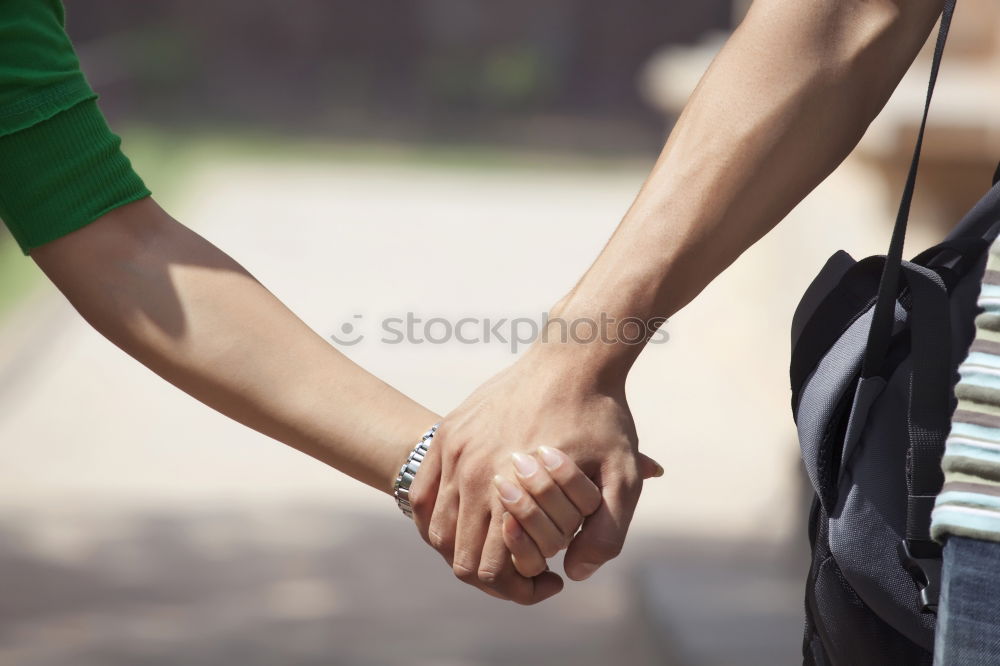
point(182, 307)
point(785, 101)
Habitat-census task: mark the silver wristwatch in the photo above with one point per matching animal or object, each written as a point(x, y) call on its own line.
point(401, 489)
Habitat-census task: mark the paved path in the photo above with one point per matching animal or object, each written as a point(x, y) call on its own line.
point(297, 587)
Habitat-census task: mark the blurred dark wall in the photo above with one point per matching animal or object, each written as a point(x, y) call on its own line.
point(429, 69)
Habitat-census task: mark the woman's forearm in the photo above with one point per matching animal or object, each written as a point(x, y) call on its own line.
point(190, 313)
point(788, 98)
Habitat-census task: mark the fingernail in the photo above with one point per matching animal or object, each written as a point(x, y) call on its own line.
point(508, 491)
point(549, 457)
point(525, 465)
point(585, 570)
point(659, 471)
point(515, 528)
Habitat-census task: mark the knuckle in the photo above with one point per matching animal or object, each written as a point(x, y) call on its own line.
point(526, 510)
point(450, 453)
point(576, 471)
point(438, 541)
point(491, 573)
point(488, 576)
point(569, 526)
point(544, 486)
point(592, 503)
point(419, 500)
point(464, 573)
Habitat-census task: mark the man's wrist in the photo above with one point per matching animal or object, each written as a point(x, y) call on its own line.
point(591, 345)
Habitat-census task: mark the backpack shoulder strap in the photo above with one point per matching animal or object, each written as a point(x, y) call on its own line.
point(881, 329)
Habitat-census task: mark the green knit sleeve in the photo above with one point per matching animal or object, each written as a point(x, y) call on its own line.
point(61, 167)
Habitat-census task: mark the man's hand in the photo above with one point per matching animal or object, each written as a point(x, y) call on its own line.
point(546, 398)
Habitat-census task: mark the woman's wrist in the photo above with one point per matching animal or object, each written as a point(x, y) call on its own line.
point(397, 451)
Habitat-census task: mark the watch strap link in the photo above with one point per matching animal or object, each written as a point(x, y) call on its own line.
point(401, 488)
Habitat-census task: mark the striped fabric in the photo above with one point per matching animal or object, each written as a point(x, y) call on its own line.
point(969, 503)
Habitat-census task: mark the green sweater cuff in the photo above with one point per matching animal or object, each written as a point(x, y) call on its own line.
point(62, 174)
point(37, 107)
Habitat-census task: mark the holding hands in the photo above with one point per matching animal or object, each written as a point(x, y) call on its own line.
point(539, 450)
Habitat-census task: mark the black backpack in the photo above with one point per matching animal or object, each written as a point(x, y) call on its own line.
point(876, 346)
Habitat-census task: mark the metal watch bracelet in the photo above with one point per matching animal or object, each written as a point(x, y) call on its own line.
point(401, 488)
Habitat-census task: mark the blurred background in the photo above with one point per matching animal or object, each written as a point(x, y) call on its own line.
point(450, 158)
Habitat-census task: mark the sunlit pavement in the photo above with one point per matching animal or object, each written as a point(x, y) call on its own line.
point(142, 528)
point(313, 586)
point(291, 587)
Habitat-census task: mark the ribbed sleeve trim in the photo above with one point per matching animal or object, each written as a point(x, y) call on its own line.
point(44, 104)
point(60, 174)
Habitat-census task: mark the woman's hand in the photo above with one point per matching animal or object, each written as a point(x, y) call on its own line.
point(547, 398)
point(549, 499)
point(548, 504)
